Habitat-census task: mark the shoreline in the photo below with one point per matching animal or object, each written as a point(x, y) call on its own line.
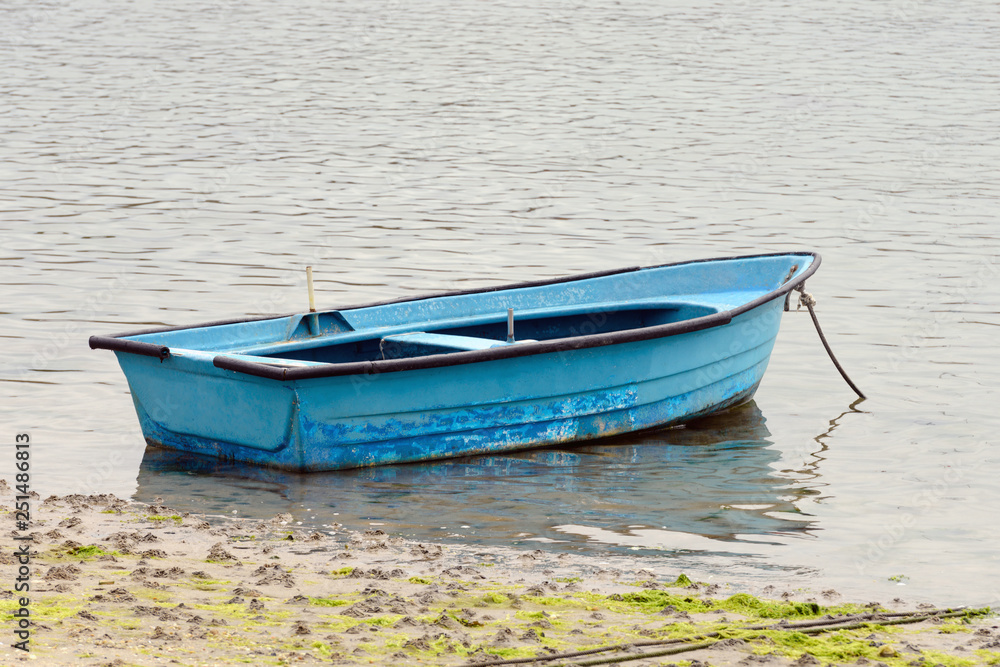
point(116, 582)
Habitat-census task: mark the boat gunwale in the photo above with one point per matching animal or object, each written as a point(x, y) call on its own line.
point(274, 371)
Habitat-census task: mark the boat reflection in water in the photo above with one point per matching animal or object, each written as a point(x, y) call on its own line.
point(709, 486)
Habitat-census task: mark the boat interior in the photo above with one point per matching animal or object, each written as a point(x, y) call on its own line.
point(478, 320)
point(329, 337)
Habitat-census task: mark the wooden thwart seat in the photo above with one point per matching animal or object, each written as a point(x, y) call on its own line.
point(420, 344)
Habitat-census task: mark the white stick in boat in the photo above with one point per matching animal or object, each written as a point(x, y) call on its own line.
point(309, 282)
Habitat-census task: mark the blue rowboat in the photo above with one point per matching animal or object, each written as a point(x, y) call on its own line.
point(462, 373)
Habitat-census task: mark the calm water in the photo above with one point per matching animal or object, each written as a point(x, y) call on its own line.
point(170, 163)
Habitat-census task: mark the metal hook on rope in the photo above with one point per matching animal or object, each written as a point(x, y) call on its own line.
point(807, 299)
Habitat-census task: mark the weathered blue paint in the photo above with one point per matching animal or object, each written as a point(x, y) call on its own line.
point(435, 377)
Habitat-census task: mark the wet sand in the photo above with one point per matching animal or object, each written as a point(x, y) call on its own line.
point(115, 582)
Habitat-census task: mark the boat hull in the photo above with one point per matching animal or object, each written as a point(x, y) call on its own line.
point(379, 419)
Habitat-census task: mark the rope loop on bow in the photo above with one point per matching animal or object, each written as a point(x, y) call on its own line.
point(805, 298)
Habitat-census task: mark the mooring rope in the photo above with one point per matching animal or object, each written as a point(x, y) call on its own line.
point(706, 640)
point(806, 299)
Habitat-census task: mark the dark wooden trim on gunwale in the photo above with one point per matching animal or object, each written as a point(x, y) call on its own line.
point(276, 372)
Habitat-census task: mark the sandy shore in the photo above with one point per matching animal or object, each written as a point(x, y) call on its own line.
point(121, 583)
